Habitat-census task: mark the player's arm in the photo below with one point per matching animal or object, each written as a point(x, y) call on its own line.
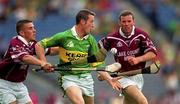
point(49, 45)
point(18, 53)
point(104, 76)
point(96, 57)
point(147, 57)
point(111, 81)
point(100, 56)
point(42, 46)
point(40, 52)
point(149, 50)
point(29, 59)
point(52, 51)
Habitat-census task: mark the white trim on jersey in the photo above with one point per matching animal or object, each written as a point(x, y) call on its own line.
point(136, 37)
point(17, 55)
point(23, 40)
point(118, 39)
point(130, 41)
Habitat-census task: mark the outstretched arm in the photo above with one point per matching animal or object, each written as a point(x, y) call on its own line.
point(29, 59)
point(41, 55)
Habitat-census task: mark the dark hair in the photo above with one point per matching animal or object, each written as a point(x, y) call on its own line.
point(83, 14)
point(126, 13)
point(20, 23)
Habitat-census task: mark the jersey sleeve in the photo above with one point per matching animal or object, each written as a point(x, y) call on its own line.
point(148, 45)
point(104, 43)
point(17, 51)
point(55, 40)
point(94, 49)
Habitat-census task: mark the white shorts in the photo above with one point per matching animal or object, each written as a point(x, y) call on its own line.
point(132, 80)
point(84, 82)
point(10, 92)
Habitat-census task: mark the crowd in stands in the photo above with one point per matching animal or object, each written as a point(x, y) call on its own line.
point(164, 14)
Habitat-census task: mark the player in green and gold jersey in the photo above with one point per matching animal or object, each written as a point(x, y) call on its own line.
point(74, 44)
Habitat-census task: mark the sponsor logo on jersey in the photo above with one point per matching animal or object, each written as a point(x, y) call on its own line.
point(119, 44)
point(70, 44)
point(128, 53)
point(66, 55)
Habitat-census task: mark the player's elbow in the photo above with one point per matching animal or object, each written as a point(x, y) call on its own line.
point(154, 55)
point(151, 55)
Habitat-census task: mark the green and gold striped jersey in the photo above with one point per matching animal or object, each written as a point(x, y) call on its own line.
point(72, 48)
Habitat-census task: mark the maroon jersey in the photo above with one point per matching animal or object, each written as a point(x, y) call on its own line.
point(136, 44)
point(11, 67)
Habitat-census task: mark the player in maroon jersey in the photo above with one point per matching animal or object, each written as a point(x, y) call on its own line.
point(14, 66)
point(132, 48)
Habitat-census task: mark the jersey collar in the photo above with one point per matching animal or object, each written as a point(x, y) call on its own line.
point(122, 34)
point(23, 40)
point(76, 35)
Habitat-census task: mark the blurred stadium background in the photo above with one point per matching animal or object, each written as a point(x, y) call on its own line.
point(160, 18)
